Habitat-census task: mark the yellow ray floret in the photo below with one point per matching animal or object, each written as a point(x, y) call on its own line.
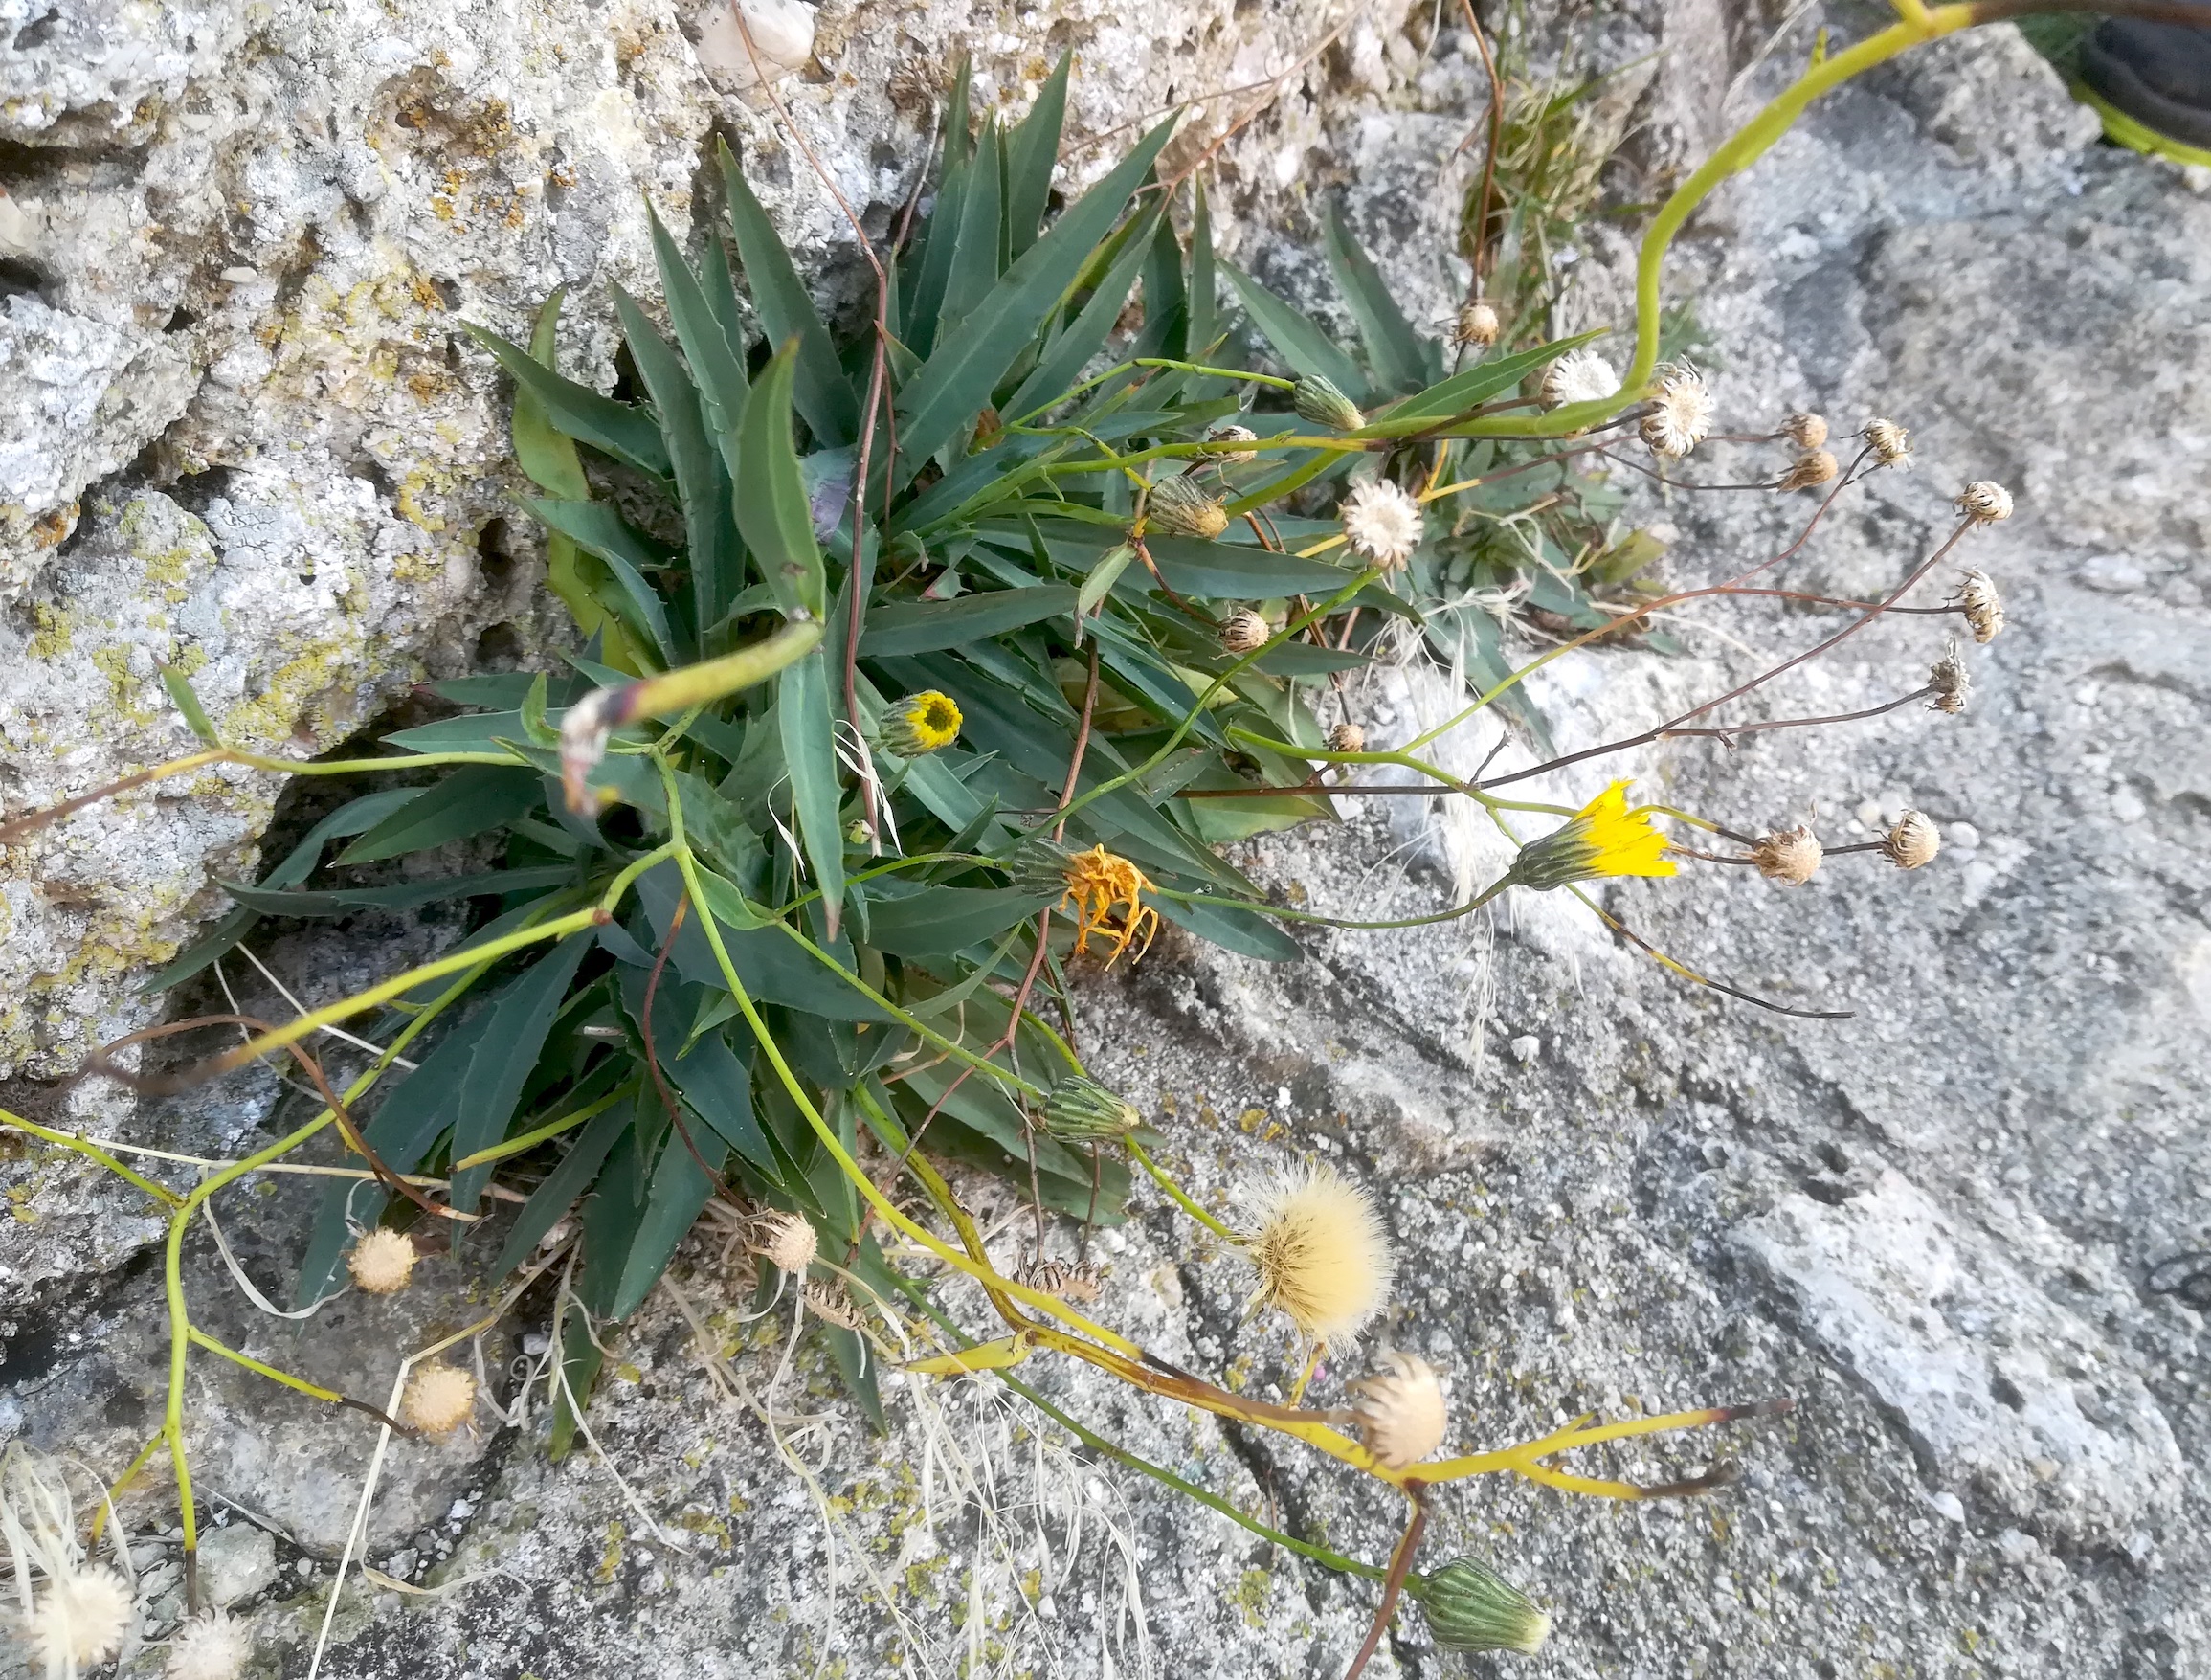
point(1603, 837)
point(1100, 885)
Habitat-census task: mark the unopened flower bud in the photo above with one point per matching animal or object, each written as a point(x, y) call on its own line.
point(1950, 681)
point(1984, 501)
point(1679, 413)
point(1224, 441)
point(1080, 1109)
point(1911, 844)
point(1180, 507)
point(1347, 738)
point(1473, 1608)
point(1806, 431)
point(1477, 325)
point(1790, 856)
point(922, 724)
point(1319, 401)
point(382, 1262)
point(786, 1240)
point(1977, 599)
point(1891, 443)
point(1814, 466)
point(438, 1400)
point(1401, 1413)
point(1243, 632)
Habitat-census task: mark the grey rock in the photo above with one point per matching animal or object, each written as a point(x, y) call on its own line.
point(236, 1561)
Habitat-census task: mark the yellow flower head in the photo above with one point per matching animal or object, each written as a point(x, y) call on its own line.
point(921, 724)
point(1603, 837)
point(1321, 1255)
point(1100, 885)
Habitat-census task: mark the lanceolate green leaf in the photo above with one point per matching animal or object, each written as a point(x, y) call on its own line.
point(911, 627)
point(596, 526)
point(809, 755)
point(975, 268)
point(773, 509)
point(557, 1193)
point(958, 378)
point(541, 449)
point(716, 563)
point(1304, 346)
point(1400, 358)
point(625, 432)
point(934, 264)
point(1466, 390)
point(683, 1179)
point(406, 896)
point(471, 800)
point(715, 368)
point(1031, 153)
point(520, 1016)
point(944, 919)
point(787, 312)
point(1063, 360)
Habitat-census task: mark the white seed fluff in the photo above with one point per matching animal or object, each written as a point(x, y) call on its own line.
point(1382, 523)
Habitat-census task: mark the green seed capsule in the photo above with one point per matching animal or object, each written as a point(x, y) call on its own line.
point(1317, 400)
point(1178, 508)
point(1080, 1109)
point(1472, 1608)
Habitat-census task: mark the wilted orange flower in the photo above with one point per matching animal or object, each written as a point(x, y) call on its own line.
point(1099, 884)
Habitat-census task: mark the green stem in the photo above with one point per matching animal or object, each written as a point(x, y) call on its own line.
point(1160, 1176)
point(93, 1152)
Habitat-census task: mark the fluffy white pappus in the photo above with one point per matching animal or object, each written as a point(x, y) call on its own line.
point(1324, 1260)
point(1681, 412)
point(1577, 376)
point(1382, 523)
point(209, 1648)
point(82, 1619)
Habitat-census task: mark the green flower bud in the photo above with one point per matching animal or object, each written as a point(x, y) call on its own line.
point(1040, 867)
point(1472, 1608)
point(1317, 400)
point(1179, 507)
point(1080, 1109)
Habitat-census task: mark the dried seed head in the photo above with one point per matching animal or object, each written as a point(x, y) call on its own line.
point(1984, 501)
point(922, 724)
point(1890, 442)
point(1473, 1608)
point(1228, 440)
point(1079, 1281)
point(82, 1619)
point(1322, 1256)
point(1400, 1413)
point(1180, 507)
point(1080, 1109)
point(438, 1400)
point(1319, 401)
point(1977, 599)
point(1477, 325)
point(830, 1302)
point(209, 1648)
point(1681, 412)
point(1949, 680)
point(382, 1262)
point(1243, 632)
point(1814, 466)
point(1911, 844)
point(1806, 431)
point(1382, 523)
point(1347, 738)
point(786, 1239)
point(1577, 376)
point(1790, 856)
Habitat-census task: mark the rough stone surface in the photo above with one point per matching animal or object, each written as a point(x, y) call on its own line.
point(1929, 1224)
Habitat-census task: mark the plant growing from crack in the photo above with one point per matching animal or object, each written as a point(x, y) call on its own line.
point(846, 781)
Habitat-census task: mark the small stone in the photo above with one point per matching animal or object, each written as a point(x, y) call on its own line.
point(1526, 1048)
point(236, 1561)
point(1949, 1506)
point(2016, 1546)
